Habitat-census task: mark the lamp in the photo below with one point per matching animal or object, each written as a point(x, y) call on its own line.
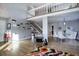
point(64, 28)
point(64, 22)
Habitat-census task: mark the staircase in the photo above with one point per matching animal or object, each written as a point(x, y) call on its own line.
point(36, 27)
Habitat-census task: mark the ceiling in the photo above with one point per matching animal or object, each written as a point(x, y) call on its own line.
point(19, 11)
point(69, 16)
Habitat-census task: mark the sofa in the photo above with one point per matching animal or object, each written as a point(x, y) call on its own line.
point(67, 35)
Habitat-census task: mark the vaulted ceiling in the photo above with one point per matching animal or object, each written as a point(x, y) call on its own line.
point(19, 11)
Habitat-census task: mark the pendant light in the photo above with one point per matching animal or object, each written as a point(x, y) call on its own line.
point(64, 22)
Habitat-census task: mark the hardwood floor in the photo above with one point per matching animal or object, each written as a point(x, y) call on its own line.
point(1, 43)
point(22, 48)
point(70, 46)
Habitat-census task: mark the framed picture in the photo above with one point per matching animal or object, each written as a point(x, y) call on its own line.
point(9, 26)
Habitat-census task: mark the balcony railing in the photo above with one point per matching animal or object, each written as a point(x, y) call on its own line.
point(51, 9)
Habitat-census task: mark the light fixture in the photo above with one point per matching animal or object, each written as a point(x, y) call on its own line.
point(64, 22)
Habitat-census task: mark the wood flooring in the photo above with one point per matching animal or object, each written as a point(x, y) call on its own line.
point(24, 47)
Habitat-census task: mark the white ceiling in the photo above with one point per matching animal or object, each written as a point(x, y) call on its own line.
point(67, 16)
point(18, 11)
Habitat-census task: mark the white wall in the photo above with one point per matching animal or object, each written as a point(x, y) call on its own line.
point(72, 24)
point(3, 23)
point(23, 33)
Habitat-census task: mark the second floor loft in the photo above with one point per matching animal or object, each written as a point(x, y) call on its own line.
point(51, 8)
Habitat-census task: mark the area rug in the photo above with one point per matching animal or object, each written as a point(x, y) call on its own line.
point(44, 51)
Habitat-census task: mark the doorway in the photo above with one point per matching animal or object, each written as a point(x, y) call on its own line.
point(52, 30)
